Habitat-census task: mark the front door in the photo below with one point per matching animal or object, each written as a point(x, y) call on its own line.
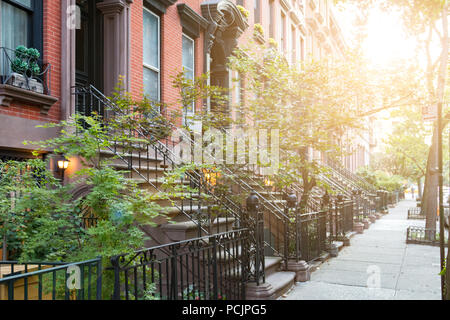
point(89, 45)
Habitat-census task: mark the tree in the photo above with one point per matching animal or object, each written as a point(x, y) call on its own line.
point(313, 104)
point(421, 18)
point(405, 152)
point(429, 18)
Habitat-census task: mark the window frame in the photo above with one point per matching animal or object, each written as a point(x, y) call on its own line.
point(257, 11)
point(283, 32)
point(186, 113)
point(35, 23)
point(147, 66)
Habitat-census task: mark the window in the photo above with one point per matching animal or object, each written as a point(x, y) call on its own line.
point(283, 33)
point(272, 19)
point(257, 10)
point(189, 69)
point(239, 98)
point(151, 55)
point(302, 49)
point(294, 45)
point(21, 23)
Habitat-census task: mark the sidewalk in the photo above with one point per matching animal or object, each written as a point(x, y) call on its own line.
point(379, 256)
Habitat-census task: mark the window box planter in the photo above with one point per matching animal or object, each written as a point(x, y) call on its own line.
point(20, 81)
point(25, 78)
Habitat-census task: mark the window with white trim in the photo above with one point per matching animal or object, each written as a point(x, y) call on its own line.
point(151, 44)
point(188, 47)
point(21, 23)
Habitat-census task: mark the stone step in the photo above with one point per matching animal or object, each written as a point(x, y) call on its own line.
point(180, 231)
point(276, 285)
point(160, 169)
point(134, 155)
point(155, 182)
point(272, 264)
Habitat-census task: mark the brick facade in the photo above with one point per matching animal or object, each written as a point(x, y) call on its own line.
point(309, 29)
point(52, 55)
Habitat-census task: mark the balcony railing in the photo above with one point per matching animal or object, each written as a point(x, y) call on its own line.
point(23, 70)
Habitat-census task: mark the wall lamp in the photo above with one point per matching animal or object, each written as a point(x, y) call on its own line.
point(62, 163)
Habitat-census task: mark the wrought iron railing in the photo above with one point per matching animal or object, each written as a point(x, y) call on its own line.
point(356, 180)
point(307, 236)
point(23, 70)
point(415, 214)
point(421, 235)
point(363, 206)
point(208, 268)
point(137, 157)
point(51, 280)
point(340, 219)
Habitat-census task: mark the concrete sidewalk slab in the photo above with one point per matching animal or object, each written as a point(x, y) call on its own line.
point(378, 257)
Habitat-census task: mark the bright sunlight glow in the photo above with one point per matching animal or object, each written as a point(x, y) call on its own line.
point(386, 40)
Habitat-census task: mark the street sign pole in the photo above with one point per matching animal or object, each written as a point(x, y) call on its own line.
point(441, 197)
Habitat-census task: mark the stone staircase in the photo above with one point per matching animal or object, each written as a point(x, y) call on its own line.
point(148, 169)
point(189, 215)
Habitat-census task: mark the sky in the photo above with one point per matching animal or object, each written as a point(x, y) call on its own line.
point(386, 43)
point(386, 40)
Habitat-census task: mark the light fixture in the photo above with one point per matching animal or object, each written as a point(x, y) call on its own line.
point(63, 163)
point(268, 182)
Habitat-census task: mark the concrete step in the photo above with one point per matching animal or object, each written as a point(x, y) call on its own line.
point(180, 231)
point(272, 264)
point(281, 282)
point(155, 182)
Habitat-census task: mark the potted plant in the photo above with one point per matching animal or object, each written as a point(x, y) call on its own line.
point(25, 69)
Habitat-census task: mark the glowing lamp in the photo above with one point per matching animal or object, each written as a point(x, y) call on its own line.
point(63, 163)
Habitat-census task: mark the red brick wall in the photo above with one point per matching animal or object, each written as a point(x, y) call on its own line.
point(171, 51)
point(52, 55)
point(171, 56)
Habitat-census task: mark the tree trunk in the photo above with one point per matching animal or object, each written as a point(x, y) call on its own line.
point(430, 194)
point(419, 188)
point(430, 198)
point(447, 277)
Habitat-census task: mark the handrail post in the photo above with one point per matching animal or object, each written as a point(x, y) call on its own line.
point(214, 268)
point(115, 265)
point(174, 277)
point(99, 278)
point(257, 228)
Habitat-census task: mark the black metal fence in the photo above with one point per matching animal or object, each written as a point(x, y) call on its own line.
point(51, 280)
point(207, 268)
point(415, 214)
point(362, 206)
point(421, 235)
point(313, 235)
